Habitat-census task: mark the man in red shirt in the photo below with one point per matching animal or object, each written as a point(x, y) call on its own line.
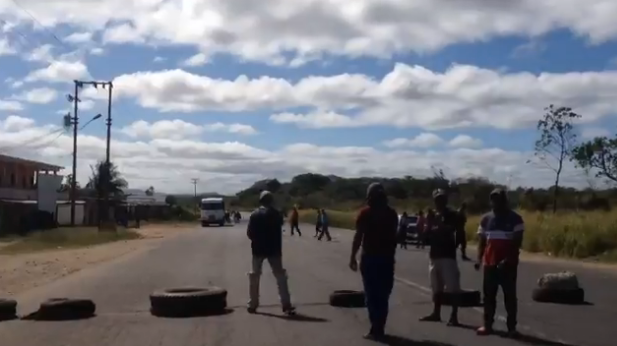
point(376, 227)
point(500, 239)
point(293, 221)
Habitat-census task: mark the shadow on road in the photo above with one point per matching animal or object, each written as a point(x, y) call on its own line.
point(297, 317)
point(193, 315)
point(395, 340)
point(522, 338)
point(38, 316)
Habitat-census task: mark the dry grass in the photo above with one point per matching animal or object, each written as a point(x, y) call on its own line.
point(581, 235)
point(65, 238)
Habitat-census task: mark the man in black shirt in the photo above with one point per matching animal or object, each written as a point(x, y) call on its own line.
point(461, 237)
point(443, 268)
point(376, 227)
point(265, 232)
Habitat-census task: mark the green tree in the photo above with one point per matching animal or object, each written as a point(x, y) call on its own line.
point(171, 200)
point(556, 142)
point(66, 184)
point(106, 178)
point(599, 155)
point(150, 191)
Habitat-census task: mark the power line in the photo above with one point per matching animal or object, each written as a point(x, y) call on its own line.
point(49, 32)
point(32, 142)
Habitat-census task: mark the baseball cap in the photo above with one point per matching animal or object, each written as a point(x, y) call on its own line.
point(264, 194)
point(439, 192)
point(374, 189)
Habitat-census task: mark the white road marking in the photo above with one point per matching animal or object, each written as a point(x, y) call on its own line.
point(425, 291)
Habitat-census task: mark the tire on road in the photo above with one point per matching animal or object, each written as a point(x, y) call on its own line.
point(560, 296)
point(189, 301)
point(348, 299)
point(466, 298)
point(66, 309)
point(8, 309)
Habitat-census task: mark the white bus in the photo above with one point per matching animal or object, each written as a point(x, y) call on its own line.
point(212, 211)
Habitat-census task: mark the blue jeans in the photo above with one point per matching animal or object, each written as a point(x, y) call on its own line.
point(378, 279)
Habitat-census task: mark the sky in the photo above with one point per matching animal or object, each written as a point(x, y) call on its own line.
point(234, 91)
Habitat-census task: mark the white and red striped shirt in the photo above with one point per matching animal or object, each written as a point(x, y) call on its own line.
point(500, 231)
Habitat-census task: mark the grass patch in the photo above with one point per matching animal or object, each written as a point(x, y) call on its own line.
point(580, 235)
point(66, 238)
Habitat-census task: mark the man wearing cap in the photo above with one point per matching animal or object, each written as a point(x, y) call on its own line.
point(376, 230)
point(443, 268)
point(265, 232)
point(500, 239)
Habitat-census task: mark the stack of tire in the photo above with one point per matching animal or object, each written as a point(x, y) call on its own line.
point(8, 309)
point(188, 302)
point(63, 309)
point(560, 288)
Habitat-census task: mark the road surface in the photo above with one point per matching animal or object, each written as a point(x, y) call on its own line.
point(220, 256)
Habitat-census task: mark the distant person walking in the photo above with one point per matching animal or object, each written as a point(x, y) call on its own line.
point(462, 237)
point(318, 224)
point(420, 229)
point(443, 268)
point(500, 239)
point(265, 232)
point(376, 228)
point(402, 230)
point(324, 226)
point(293, 221)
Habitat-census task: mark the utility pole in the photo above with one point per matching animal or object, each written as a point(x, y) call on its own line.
point(194, 182)
point(108, 123)
point(74, 180)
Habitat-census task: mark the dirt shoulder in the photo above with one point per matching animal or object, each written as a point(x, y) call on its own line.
point(21, 272)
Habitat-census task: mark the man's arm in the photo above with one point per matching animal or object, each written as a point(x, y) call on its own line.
point(519, 230)
point(250, 226)
point(482, 238)
point(359, 236)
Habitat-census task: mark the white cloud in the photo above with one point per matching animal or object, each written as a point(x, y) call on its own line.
point(97, 51)
point(198, 59)
point(6, 48)
point(407, 96)
point(41, 53)
point(593, 132)
point(171, 161)
point(38, 95)
point(159, 59)
point(423, 140)
point(59, 71)
point(465, 141)
point(11, 106)
point(267, 29)
point(79, 37)
point(178, 129)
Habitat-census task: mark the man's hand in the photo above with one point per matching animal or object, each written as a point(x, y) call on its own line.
point(477, 265)
point(353, 264)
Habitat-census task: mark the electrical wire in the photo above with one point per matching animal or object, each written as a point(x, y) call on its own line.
point(32, 141)
point(49, 32)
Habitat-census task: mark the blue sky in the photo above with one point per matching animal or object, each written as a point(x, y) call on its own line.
point(482, 74)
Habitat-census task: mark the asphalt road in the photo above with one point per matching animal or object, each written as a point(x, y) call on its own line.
point(221, 256)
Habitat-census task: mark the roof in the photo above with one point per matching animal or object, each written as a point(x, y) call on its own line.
point(40, 165)
point(212, 199)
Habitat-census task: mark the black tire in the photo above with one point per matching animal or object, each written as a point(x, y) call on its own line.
point(466, 298)
point(8, 309)
point(187, 302)
point(66, 309)
point(348, 299)
point(559, 296)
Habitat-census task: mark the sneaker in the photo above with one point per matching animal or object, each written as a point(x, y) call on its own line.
point(484, 330)
point(374, 336)
point(431, 318)
point(513, 333)
point(251, 310)
point(453, 322)
point(289, 311)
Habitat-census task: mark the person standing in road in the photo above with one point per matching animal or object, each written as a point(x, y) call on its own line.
point(420, 229)
point(324, 226)
point(293, 221)
point(443, 268)
point(318, 224)
point(376, 228)
point(265, 232)
point(462, 236)
point(500, 239)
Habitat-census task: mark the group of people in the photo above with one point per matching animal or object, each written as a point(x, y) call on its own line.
point(425, 223)
point(500, 237)
point(321, 224)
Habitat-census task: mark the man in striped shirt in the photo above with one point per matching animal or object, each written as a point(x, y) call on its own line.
point(501, 236)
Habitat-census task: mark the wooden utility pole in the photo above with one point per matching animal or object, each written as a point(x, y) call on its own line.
point(194, 182)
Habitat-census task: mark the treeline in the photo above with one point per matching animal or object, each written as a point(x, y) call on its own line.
point(411, 193)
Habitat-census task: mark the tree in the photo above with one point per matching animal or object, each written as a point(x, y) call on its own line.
point(106, 178)
point(150, 191)
point(66, 184)
point(556, 142)
point(599, 155)
point(171, 200)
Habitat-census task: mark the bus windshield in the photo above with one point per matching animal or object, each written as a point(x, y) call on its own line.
point(212, 206)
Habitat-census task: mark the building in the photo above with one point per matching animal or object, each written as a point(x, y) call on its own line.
point(26, 187)
point(18, 177)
